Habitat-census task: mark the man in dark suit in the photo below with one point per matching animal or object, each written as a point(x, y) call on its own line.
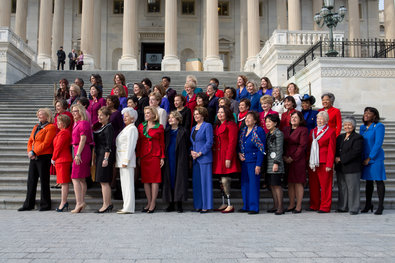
point(171, 93)
point(72, 59)
point(61, 57)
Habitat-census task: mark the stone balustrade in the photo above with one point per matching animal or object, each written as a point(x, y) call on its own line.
point(8, 36)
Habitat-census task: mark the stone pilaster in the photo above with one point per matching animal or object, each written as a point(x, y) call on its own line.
point(389, 19)
point(281, 6)
point(5, 13)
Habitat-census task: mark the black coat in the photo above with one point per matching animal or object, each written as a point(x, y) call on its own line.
point(182, 162)
point(350, 153)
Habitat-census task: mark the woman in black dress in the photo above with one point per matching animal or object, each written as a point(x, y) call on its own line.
point(179, 104)
point(175, 175)
point(104, 157)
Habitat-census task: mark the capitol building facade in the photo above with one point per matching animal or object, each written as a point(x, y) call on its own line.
point(125, 34)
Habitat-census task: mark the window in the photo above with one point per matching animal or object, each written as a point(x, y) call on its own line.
point(223, 8)
point(260, 9)
point(188, 7)
point(118, 7)
point(153, 6)
point(13, 6)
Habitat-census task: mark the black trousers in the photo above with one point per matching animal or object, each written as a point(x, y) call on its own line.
point(60, 63)
point(39, 169)
point(72, 65)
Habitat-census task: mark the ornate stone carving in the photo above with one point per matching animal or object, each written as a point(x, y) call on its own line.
point(358, 72)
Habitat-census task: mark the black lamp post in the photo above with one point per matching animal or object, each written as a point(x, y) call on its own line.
point(330, 19)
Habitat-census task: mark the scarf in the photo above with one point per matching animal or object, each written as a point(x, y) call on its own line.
point(40, 126)
point(241, 116)
point(315, 148)
point(254, 139)
point(145, 132)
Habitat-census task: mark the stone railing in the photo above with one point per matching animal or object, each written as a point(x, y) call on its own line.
point(303, 37)
point(6, 35)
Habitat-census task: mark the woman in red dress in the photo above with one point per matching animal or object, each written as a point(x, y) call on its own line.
point(290, 105)
point(335, 117)
point(62, 159)
point(296, 139)
point(322, 155)
point(225, 163)
point(151, 154)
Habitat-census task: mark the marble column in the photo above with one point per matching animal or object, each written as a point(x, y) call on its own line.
point(44, 58)
point(5, 13)
point(171, 62)
point(243, 34)
point(87, 34)
point(353, 20)
point(253, 34)
point(58, 29)
point(281, 6)
point(389, 19)
point(294, 15)
point(317, 5)
point(97, 19)
point(20, 18)
point(353, 25)
point(212, 61)
point(128, 60)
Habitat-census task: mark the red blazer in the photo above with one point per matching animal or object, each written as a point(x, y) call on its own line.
point(327, 146)
point(335, 119)
point(285, 119)
point(191, 104)
point(154, 146)
point(62, 147)
point(224, 148)
point(42, 143)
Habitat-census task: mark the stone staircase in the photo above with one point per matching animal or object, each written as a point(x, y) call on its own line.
point(18, 106)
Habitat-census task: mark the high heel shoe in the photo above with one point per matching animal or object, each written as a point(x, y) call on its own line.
point(144, 210)
point(290, 209)
point(151, 211)
point(367, 208)
point(78, 209)
point(65, 206)
point(107, 210)
point(379, 210)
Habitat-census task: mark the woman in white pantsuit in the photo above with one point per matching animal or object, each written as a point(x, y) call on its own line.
point(126, 159)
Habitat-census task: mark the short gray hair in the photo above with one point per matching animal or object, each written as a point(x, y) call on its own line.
point(131, 112)
point(350, 119)
point(330, 95)
point(324, 114)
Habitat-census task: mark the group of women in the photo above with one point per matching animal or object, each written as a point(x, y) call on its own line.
point(249, 132)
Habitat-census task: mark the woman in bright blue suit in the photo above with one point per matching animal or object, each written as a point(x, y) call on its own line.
point(252, 149)
point(201, 151)
point(373, 155)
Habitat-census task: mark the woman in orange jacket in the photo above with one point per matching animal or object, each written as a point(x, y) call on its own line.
point(62, 159)
point(39, 151)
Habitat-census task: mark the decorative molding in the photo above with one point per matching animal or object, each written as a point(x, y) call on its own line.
point(357, 72)
point(152, 36)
